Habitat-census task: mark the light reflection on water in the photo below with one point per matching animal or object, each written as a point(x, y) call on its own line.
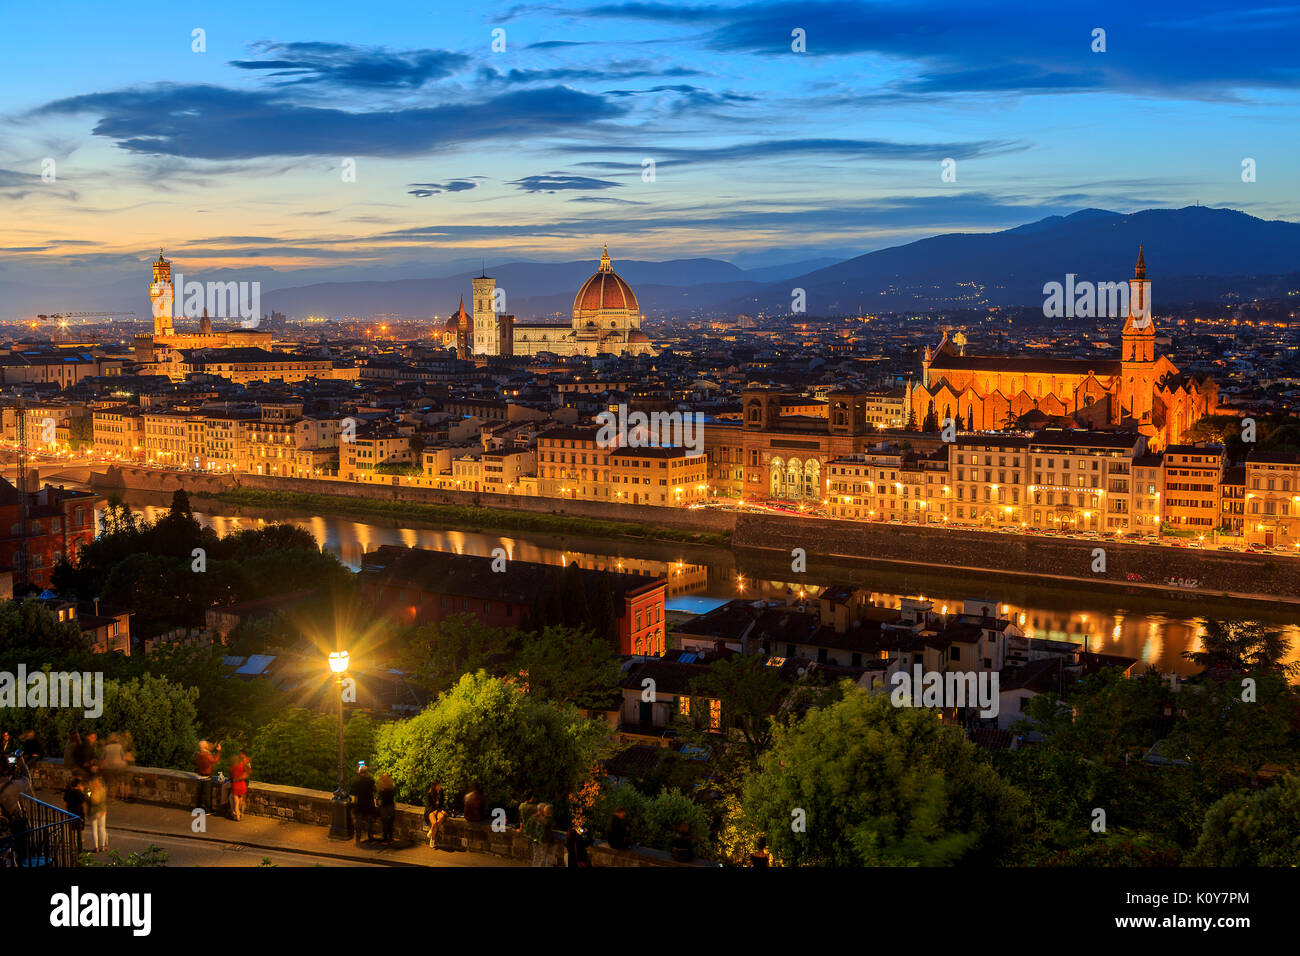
point(1156, 637)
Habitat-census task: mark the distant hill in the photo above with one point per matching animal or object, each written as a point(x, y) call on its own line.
point(1192, 254)
point(531, 288)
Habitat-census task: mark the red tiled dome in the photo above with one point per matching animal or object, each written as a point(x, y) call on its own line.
point(605, 290)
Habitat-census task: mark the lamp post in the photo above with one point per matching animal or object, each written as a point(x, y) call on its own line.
point(339, 802)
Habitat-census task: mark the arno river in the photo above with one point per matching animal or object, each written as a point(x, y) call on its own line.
point(1154, 631)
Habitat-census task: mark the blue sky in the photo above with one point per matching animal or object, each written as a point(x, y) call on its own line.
point(232, 158)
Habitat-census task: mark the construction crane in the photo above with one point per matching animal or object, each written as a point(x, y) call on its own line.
point(24, 489)
point(80, 315)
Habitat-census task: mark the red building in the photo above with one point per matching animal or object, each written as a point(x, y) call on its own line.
point(59, 522)
point(417, 586)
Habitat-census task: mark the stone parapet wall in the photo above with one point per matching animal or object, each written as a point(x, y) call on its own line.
point(177, 788)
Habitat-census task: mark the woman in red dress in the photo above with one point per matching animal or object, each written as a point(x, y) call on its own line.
point(239, 772)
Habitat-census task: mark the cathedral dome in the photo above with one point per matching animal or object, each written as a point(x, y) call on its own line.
point(605, 296)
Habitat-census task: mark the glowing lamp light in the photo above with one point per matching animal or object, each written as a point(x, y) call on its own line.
point(339, 661)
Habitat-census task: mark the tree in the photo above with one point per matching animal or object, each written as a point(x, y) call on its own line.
point(159, 714)
point(931, 419)
point(30, 625)
point(1244, 647)
point(604, 617)
point(569, 664)
point(576, 613)
point(439, 654)
point(488, 731)
point(300, 748)
point(862, 782)
point(1259, 828)
point(224, 706)
point(750, 693)
point(1228, 739)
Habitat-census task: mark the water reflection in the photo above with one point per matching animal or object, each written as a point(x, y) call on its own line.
point(1095, 619)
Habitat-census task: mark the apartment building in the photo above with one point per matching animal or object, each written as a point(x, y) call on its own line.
point(571, 464)
point(1193, 476)
point(360, 457)
point(118, 431)
point(1272, 504)
point(1082, 480)
point(988, 474)
point(657, 475)
point(174, 439)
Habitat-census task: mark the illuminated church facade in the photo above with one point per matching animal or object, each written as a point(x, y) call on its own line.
point(1138, 389)
point(606, 321)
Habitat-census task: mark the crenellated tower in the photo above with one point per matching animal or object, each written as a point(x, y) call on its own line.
point(162, 296)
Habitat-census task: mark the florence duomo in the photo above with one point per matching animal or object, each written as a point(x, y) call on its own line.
point(606, 321)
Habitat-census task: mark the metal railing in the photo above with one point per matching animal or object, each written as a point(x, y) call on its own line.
point(52, 837)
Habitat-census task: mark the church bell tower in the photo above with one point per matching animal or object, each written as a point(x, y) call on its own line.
point(486, 336)
point(1138, 348)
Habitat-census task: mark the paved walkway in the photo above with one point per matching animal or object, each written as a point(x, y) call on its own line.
point(133, 823)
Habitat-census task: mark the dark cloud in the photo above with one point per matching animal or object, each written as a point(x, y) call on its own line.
point(630, 70)
point(557, 44)
point(556, 182)
point(606, 199)
point(1021, 46)
point(768, 149)
point(340, 64)
point(213, 122)
point(425, 190)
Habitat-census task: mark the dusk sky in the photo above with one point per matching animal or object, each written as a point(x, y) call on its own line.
point(233, 157)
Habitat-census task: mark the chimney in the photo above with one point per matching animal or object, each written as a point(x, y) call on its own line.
point(96, 607)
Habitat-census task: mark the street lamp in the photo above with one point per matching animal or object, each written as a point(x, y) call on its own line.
point(339, 802)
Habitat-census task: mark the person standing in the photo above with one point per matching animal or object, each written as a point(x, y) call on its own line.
point(33, 753)
point(128, 754)
point(387, 808)
point(617, 837)
point(90, 747)
point(240, 771)
point(575, 845)
point(12, 786)
point(71, 752)
point(541, 834)
point(74, 798)
point(760, 857)
point(114, 765)
point(435, 811)
point(205, 761)
point(526, 811)
point(97, 809)
point(363, 793)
